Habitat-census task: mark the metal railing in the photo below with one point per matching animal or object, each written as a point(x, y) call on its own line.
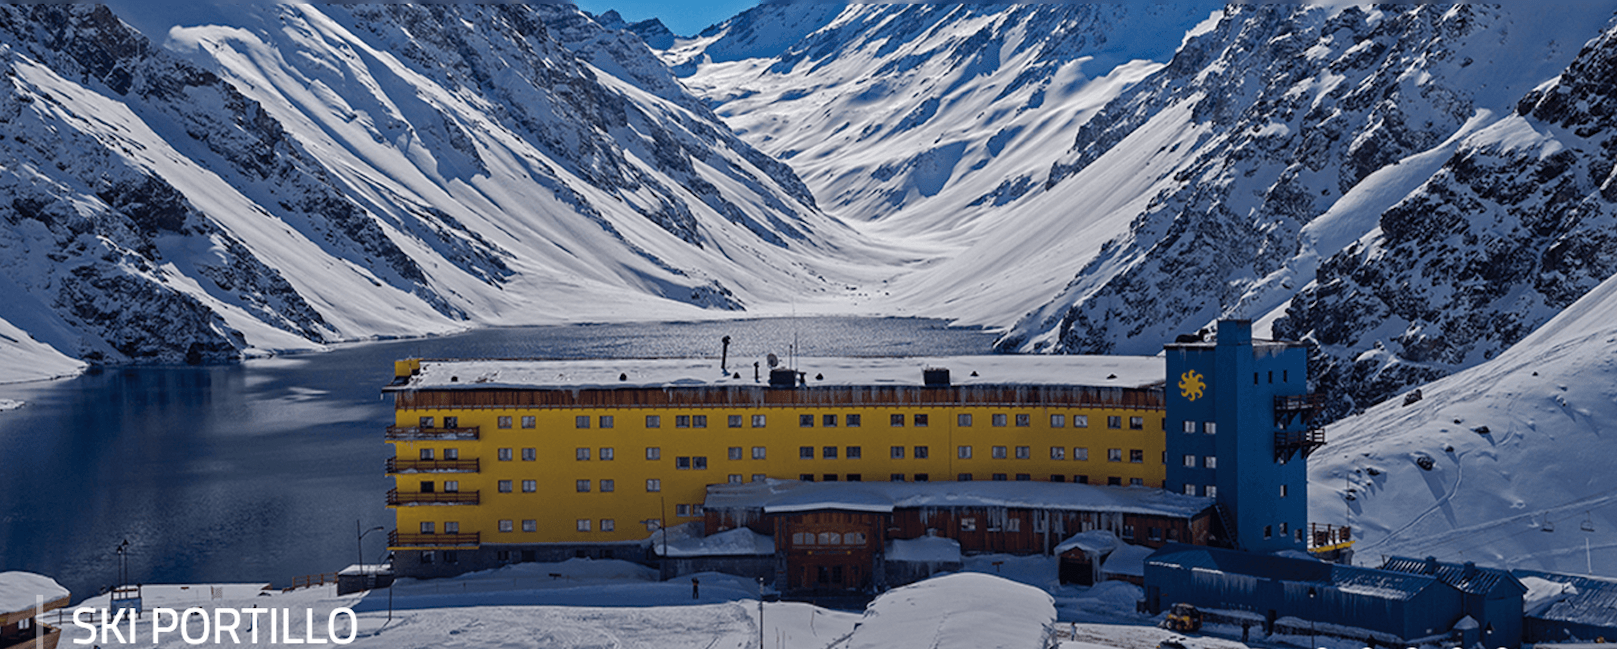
point(407, 433)
point(1328, 537)
point(398, 465)
point(395, 539)
point(394, 498)
point(1291, 442)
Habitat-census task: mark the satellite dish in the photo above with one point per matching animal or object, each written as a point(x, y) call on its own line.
point(774, 361)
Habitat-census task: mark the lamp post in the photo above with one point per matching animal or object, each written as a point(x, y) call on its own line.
point(123, 562)
point(360, 541)
point(760, 613)
point(1313, 635)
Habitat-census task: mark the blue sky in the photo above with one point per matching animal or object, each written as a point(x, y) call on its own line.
point(684, 17)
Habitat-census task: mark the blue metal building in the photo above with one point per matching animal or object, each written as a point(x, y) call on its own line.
point(1585, 609)
point(1238, 428)
point(1397, 607)
point(1491, 596)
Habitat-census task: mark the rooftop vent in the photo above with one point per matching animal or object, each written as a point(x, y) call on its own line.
point(781, 377)
point(935, 377)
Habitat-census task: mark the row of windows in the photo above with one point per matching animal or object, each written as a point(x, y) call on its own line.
point(584, 525)
point(1079, 453)
point(1268, 532)
point(828, 538)
point(963, 477)
point(1209, 427)
point(851, 420)
point(1208, 462)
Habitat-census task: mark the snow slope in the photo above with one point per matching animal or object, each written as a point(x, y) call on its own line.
point(1520, 449)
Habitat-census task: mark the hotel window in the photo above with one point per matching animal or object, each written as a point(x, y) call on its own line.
point(1210, 428)
point(1283, 530)
point(896, 421)
point(922, 420)
point(735, 478)
point(1190, 490)
point(805, 421)
point(828, 421)
point(964, 452)
point(1024, 452)
point(964, 477)
point(1114, 455)
point(1024, 477)
point(1080, 453)
point(609, 486)
point(1268, 530)
point(1056, 477)
point(452, 527)
point(654, 484)
point(530, 486)
point(699, 462)
point(451, 454)
point(997, 419)
point(735, 452)
point(608, 525)
point(606, 421)
point(503, 421)
point(897, 452)
point(1113, 421)
point(1136, 423)
point(1024, 420)
point(682, 421)
point(758, 421)
point(734, 421)
point(583, 486)
point(1154, 533)
point(582, 454)
point(1282, 495)
point(1136, 482)
point(1058, 452)
point(1137, 456)
point(607, 454)
point(530, 454)
point(1080, 421)
point(529, 421)
point(854, 421)
point(806, 477)
point(451, 486)
point(1210, 491)
point(896, 477)
point(654, 421)
point(1081, 479)
point(530, 525)
point(855, 477)
point(920, 477)
point(426, 527)
point(583, 524)
point(1299, 533)
point(1058, 421)
point(921, 452)
point(426, 454)
point(505, 525)
point(829, 453)
point(805, 452)
point(968, 523)
point(1190, 460)
point(1190, 426)
point(759, 477)
point(999, 477)
point(682, 510)
point(997, 452)
point(581, 421)
point(758, 452)
point(504, 454)
point(654, 453)
point(425, 422)
point(682, 462)
point(426, 557)
point(962, 419)
point(699, 421)
point(1128, 531)
point(451, 422)
point(855, 452)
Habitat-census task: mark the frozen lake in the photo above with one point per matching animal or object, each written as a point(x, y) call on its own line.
point(259, 471)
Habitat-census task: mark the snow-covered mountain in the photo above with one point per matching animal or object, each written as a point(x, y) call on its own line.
point(299, 174)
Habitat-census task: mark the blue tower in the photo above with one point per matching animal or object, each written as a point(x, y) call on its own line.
point(1238, 431)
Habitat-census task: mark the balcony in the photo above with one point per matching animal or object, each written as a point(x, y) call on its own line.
point(1328, 538)
point(397, 540)
point(1288, 443)
point(416, 433)
point(396, 499)
point(1290, 406)
point(397, 465)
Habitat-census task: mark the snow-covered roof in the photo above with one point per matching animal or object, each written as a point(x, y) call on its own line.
point(1468, 578)
point(987, 370)
point(1126, 560)
point(1578, 599)
point(739, 541)
point(930, 549)
point(774, 496)
point(1368, 582)
point(964, 611)
point(1093, 541)
point(21, 591)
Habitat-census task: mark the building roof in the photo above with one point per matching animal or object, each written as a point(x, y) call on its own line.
point(20, 593)
point(989, 370)
point(1370, 582)
point(1581, 600)
point(1467, 578)
point(773, 496)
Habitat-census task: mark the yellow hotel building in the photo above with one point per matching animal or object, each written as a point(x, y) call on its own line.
point(501, 461)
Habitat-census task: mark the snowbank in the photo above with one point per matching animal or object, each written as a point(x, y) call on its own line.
point(968, 611)
point(738, 541)
point(20, 591)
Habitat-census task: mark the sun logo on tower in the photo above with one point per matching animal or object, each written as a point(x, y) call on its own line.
point(1191, 385)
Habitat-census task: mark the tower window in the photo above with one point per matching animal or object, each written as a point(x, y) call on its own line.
point(963, 419)
point(964, 452)
point(854, 420)
point(1190, 426)
point(1282, 495)
point(896, 421)
point(897, 452)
